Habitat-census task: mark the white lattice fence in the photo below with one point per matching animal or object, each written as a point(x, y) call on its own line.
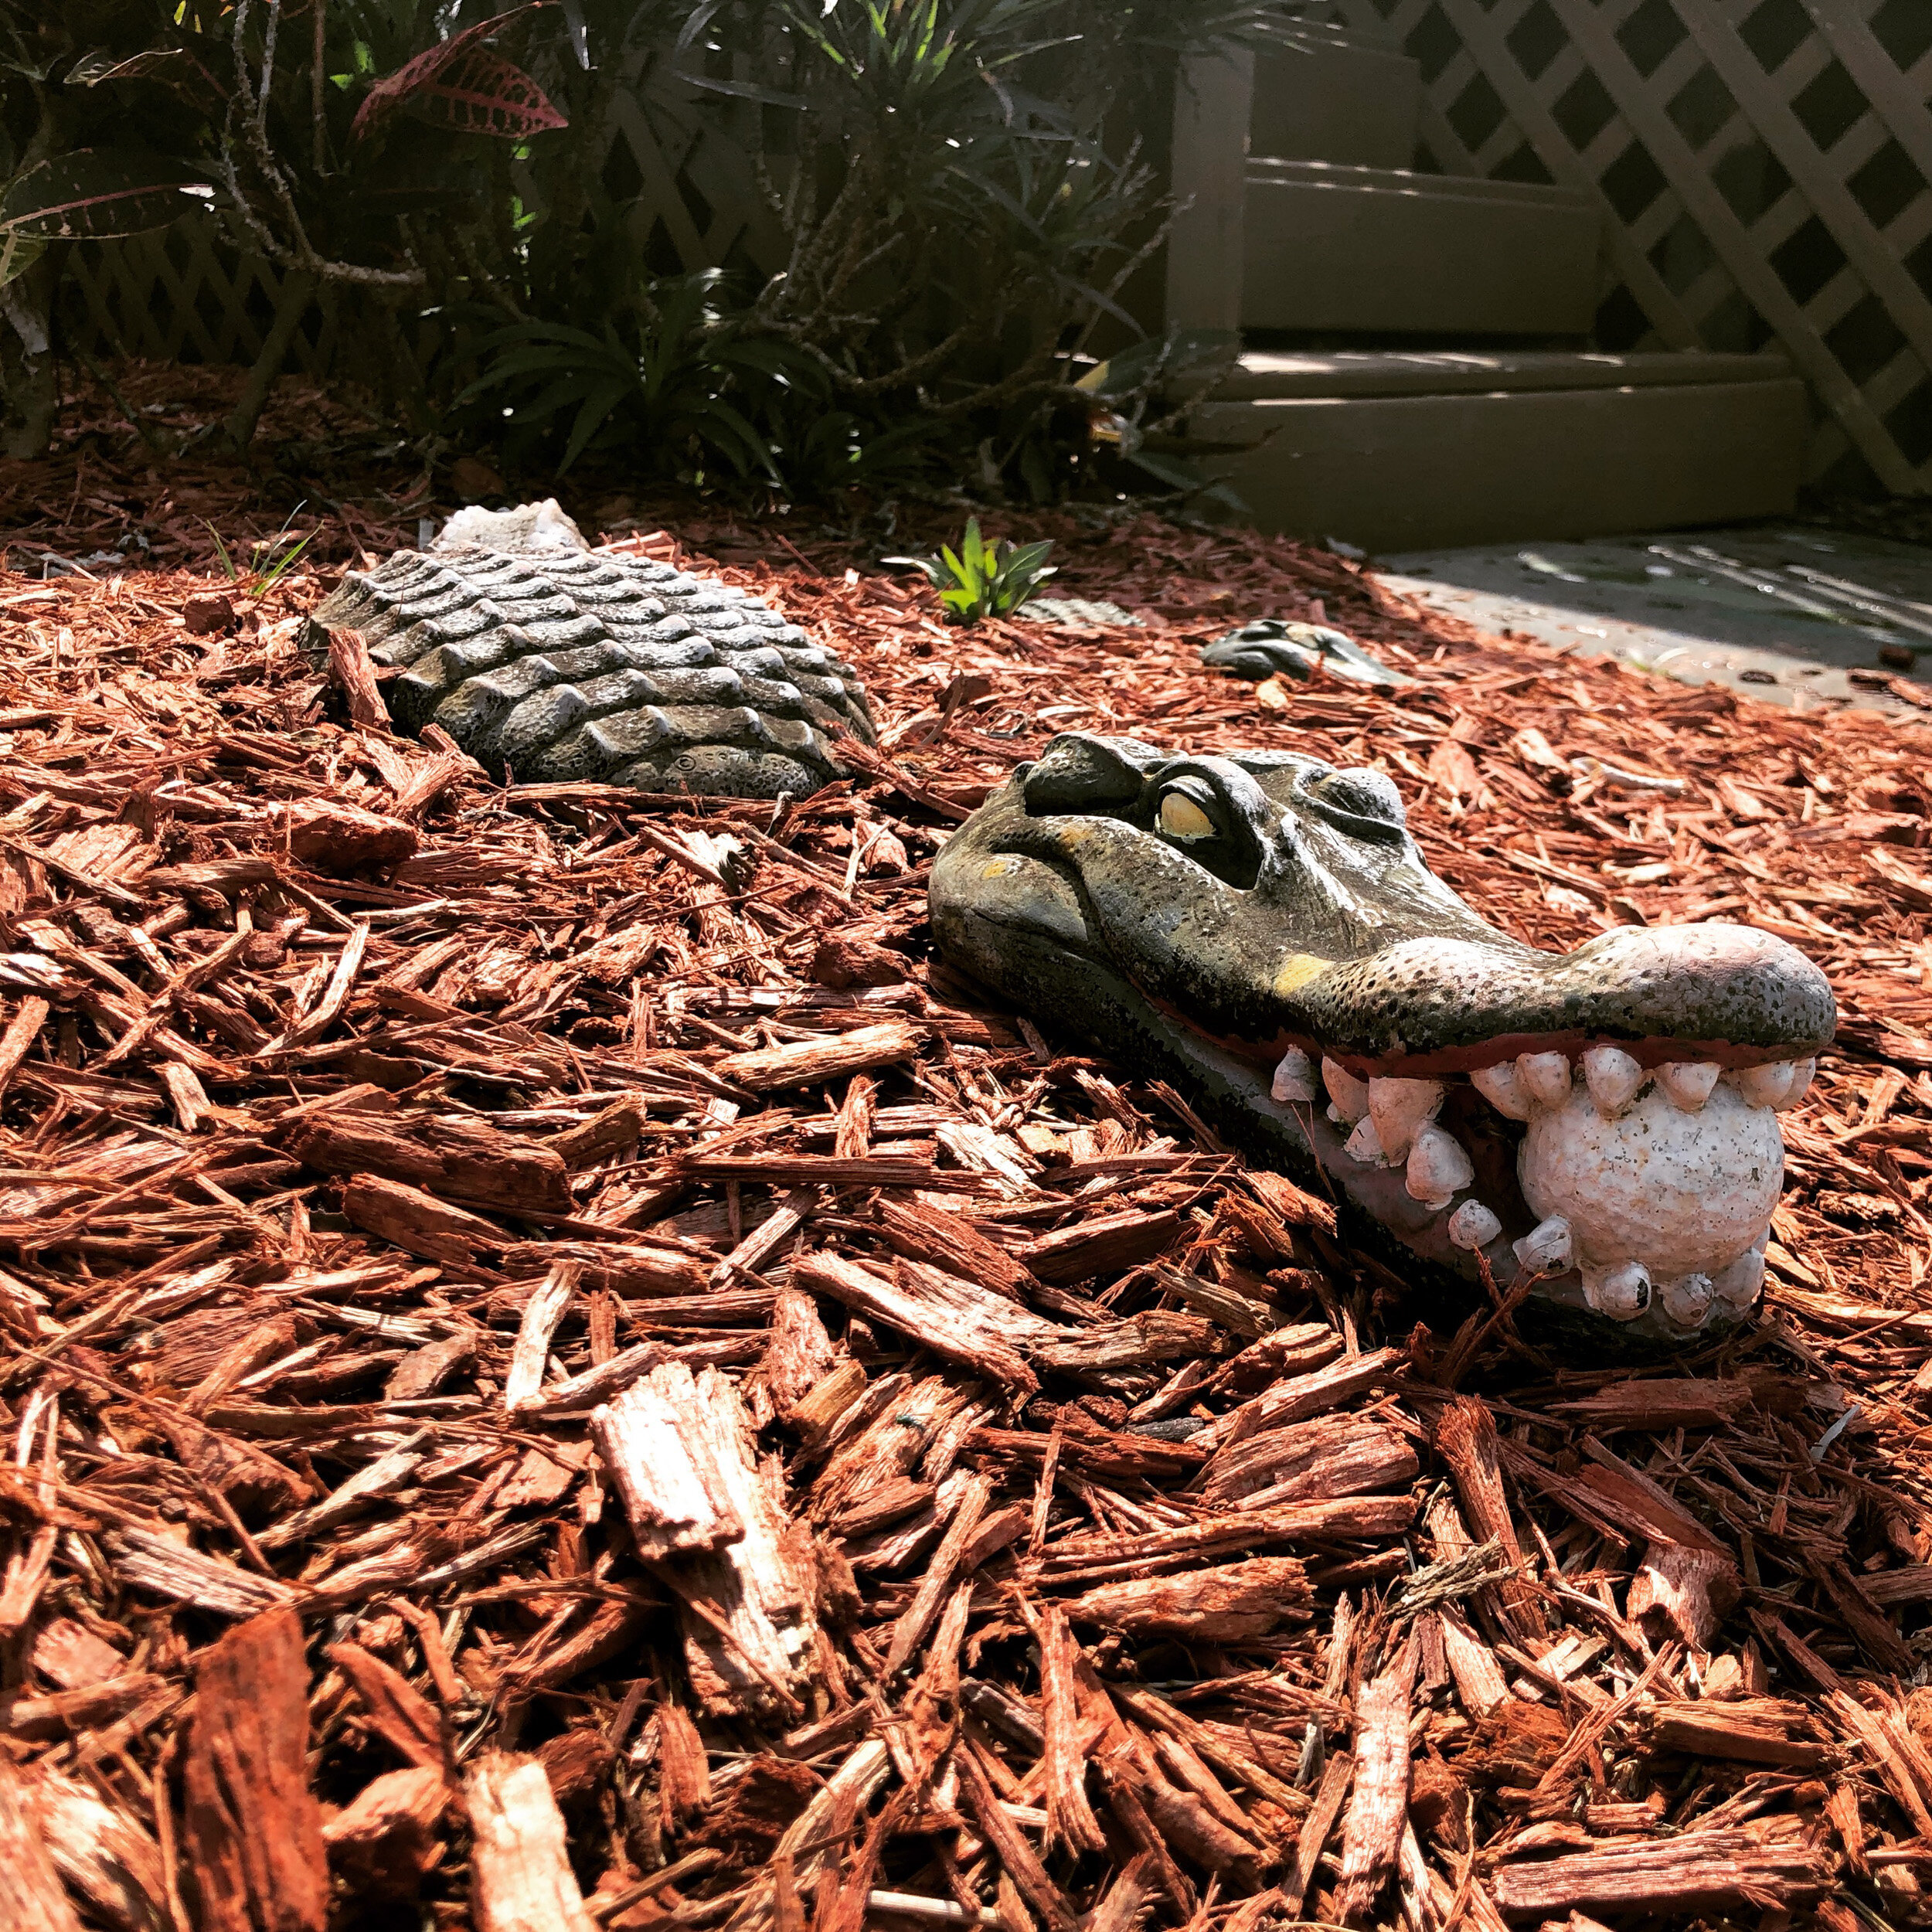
point(685, 185)
point(1766, 167)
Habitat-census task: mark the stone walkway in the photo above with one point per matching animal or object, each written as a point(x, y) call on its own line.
point(1793, 614)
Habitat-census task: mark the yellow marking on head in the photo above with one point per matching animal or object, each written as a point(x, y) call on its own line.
point(1001, 868)
point(1297, 970)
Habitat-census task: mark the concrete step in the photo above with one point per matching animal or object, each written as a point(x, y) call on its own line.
point(1330, 94)
point(1384, 252)
point(1408, 451)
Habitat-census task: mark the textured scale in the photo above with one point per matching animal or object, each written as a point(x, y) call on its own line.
point(559, 664)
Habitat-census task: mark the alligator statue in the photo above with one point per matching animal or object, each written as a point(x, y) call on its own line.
point(546, 660)
point(1262, 930)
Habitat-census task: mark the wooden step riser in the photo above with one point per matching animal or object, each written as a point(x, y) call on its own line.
point(1423, 472)
point(1338, 102)
point(1362, 252)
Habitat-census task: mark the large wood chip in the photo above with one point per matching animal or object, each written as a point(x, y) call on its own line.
point(955, 1318)
point(253, 1831)
point(405, 1720)
point(1104, 1245)
point(465, 1160)
point(31, 1896)
point(1379, 1804)
point(662, 1450)
point(1466, 1441)
point(383, 1843)
point(806, 1063)
point(743, 1571)
point(1223, 1605)
point(1701, 1871)
point(519, 1855)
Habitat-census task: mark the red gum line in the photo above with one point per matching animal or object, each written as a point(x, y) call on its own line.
point(1471, 1059)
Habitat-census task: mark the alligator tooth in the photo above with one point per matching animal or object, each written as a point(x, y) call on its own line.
point(1472, 1226)
point(1348, 1096)
point(1689, 1083)
point(1545, 1076)
point(1622, 1293)
point(1399, 1107)
point(1545, 1249)
point(1364, 1146)
point(1437, 1167)
point(1737, 1286)
point(1688, 1302)
point(1294, 1077)
point(1613, 1076)
point(1766, 1086)
point(1502, 1088)
point(1801, 1073)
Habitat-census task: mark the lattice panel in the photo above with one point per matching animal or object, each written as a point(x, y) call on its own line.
point(1765, 168)
point(687, 186)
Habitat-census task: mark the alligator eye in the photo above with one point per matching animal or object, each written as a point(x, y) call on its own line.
point(1181, 817)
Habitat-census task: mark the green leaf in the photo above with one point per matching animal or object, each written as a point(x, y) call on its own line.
point(18, 254)
point(97, 192)
point(745, 90)
point(591, 417)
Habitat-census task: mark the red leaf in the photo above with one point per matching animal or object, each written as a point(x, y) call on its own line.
point(461, 84)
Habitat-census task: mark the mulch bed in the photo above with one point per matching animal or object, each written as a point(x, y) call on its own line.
point(548, 1346)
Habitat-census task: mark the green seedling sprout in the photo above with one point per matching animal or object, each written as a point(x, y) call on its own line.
point(982, 580)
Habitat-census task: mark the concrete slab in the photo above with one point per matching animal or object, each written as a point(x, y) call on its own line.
point(1795, 615)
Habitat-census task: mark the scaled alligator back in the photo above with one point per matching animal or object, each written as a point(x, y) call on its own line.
point(547, 660)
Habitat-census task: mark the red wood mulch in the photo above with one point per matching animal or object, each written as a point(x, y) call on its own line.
point(538, 1356)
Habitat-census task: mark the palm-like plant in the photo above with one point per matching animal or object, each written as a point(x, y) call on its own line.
point(961, 209)
point(666, 392)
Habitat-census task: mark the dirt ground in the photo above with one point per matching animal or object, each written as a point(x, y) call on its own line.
point(366, 1124)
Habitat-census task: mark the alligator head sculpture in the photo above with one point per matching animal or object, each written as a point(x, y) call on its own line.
point(1263, 930)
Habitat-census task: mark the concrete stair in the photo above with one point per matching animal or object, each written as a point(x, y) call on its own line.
point(1347, 270)
point(1384, 252)
point(1403, 451)
point(1334, 96)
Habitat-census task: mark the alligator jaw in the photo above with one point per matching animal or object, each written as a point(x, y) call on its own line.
point(1643, 1191)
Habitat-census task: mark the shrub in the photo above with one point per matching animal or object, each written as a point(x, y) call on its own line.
point(961, 194)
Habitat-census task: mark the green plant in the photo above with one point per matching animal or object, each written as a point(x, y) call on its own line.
point(345, 142)
point(268, 561)
point(936, 210)
point(982, 580)
point(668, 394)
point(1171, 373)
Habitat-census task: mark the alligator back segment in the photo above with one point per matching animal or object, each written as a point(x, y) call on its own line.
point(563, 663)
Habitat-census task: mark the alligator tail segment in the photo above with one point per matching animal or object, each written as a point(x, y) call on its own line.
point(548, 662)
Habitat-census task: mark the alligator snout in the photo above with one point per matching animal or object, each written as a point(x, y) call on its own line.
point(1264, 929)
